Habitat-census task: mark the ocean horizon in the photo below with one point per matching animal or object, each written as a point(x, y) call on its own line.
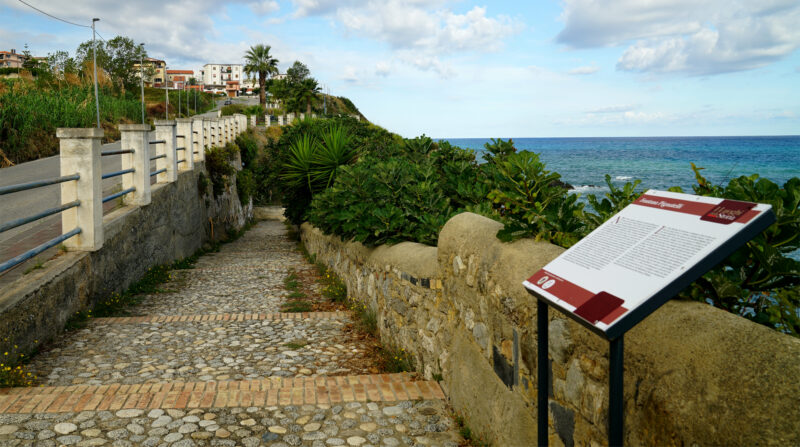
point(660, 162)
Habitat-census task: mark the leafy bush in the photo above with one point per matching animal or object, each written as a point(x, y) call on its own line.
point(406, 192)
point(759, 281)
point(245, 185)
point(218, 165)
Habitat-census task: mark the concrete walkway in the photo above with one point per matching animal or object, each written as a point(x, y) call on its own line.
point(213, 362)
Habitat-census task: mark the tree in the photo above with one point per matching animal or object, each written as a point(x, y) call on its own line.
point(117, 57)
point(298, 72)
point(306, 93)
point(259, 61)
point(59, 63)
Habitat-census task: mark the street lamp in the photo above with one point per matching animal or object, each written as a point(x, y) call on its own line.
point(166, 91)
point(141, 75)
point(94, 57)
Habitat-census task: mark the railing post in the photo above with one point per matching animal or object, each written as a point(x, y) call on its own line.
point(208, 138)
point(199, 141)
point(220, 140)
point(226, 125)
point(80, 154)
point(165, 130)
point(183, 128)
point(136, 137)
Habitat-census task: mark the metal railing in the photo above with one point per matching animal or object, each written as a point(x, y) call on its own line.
point(91, 225)
point(38, 216)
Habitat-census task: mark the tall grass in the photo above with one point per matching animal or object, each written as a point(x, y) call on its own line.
point(31, 112)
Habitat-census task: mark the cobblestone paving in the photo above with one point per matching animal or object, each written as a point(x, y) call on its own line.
point(152, 381)
point(403, 423)
point(208, 350)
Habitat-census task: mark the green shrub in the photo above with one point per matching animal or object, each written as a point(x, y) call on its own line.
point(759, 281)
point(219, 168)
point(245, 185)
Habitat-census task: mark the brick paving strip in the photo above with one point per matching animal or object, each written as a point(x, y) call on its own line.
point(246, 393)
point(275, 316)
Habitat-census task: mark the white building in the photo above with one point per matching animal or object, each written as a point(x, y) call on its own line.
point(227, 77)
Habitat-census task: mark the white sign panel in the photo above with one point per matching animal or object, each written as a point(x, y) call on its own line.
point(651, 244)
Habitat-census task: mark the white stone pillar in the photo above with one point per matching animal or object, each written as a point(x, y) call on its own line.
point(280, 120)
point(208, 139)
point(136, 137)
point(183, 129)
point(267, 120)
point(80, 154)
point(165, 131)
point(199, 141)
point(302, 116)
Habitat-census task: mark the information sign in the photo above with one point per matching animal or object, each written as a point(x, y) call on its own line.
point(631, 265)
point(640, 258)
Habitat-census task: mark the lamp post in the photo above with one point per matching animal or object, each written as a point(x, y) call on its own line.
point(94, 57)
point(141, 75)
point(166, 92)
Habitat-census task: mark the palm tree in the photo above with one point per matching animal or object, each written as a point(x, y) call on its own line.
point(259, 61)
point(307, 91)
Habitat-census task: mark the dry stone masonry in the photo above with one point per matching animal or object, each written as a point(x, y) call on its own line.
point(694, 375)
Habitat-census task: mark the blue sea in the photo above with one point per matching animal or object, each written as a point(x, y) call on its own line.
point(659, 162)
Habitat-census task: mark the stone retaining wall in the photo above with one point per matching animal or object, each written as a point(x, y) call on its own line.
point(177, 222)
point(694, 375)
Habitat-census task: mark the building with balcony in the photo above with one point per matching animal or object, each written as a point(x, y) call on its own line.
point(154, 72)
point(178, 79)
point(12, 59)
point(222, 77)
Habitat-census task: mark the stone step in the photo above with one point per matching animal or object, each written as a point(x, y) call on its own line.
point(245, 393)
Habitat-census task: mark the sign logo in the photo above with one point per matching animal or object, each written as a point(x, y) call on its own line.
point(728, 211)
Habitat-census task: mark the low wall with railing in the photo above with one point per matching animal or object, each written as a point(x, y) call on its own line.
point(158, 223)
point(694, 375)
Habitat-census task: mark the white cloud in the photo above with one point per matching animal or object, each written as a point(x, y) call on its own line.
point(383, 69)
point(622, 108)
point(685, 36)
point(181, 31)
point(264, 7)
point(585, 70)
point(425, 28)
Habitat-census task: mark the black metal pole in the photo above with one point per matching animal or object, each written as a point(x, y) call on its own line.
point(543, 370)
point(615, 397)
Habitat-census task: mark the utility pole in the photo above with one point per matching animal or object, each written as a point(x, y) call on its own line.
point(324, 103)
point(141, 75)
point(94, 57)
point(166, 91)
point(179, 105)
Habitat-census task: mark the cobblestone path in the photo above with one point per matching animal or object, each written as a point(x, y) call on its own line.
point(212, 362)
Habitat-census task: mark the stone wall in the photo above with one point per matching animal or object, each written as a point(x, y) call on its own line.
point(177, 222)
point(694, 375)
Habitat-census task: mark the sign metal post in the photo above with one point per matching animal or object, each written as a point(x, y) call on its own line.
point(630, 266)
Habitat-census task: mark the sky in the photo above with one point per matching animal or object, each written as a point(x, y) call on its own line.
point(460, 69)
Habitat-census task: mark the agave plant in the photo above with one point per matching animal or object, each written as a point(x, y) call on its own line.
point(299, 167)
point(336, 150)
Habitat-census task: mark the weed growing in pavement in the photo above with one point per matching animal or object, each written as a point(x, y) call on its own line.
point(365, 317)
point(39, 264)
point(13, 371)
point(298, 301)
point(296, 345)
point(396, 360)
point(466, 433)
point(296, 306)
